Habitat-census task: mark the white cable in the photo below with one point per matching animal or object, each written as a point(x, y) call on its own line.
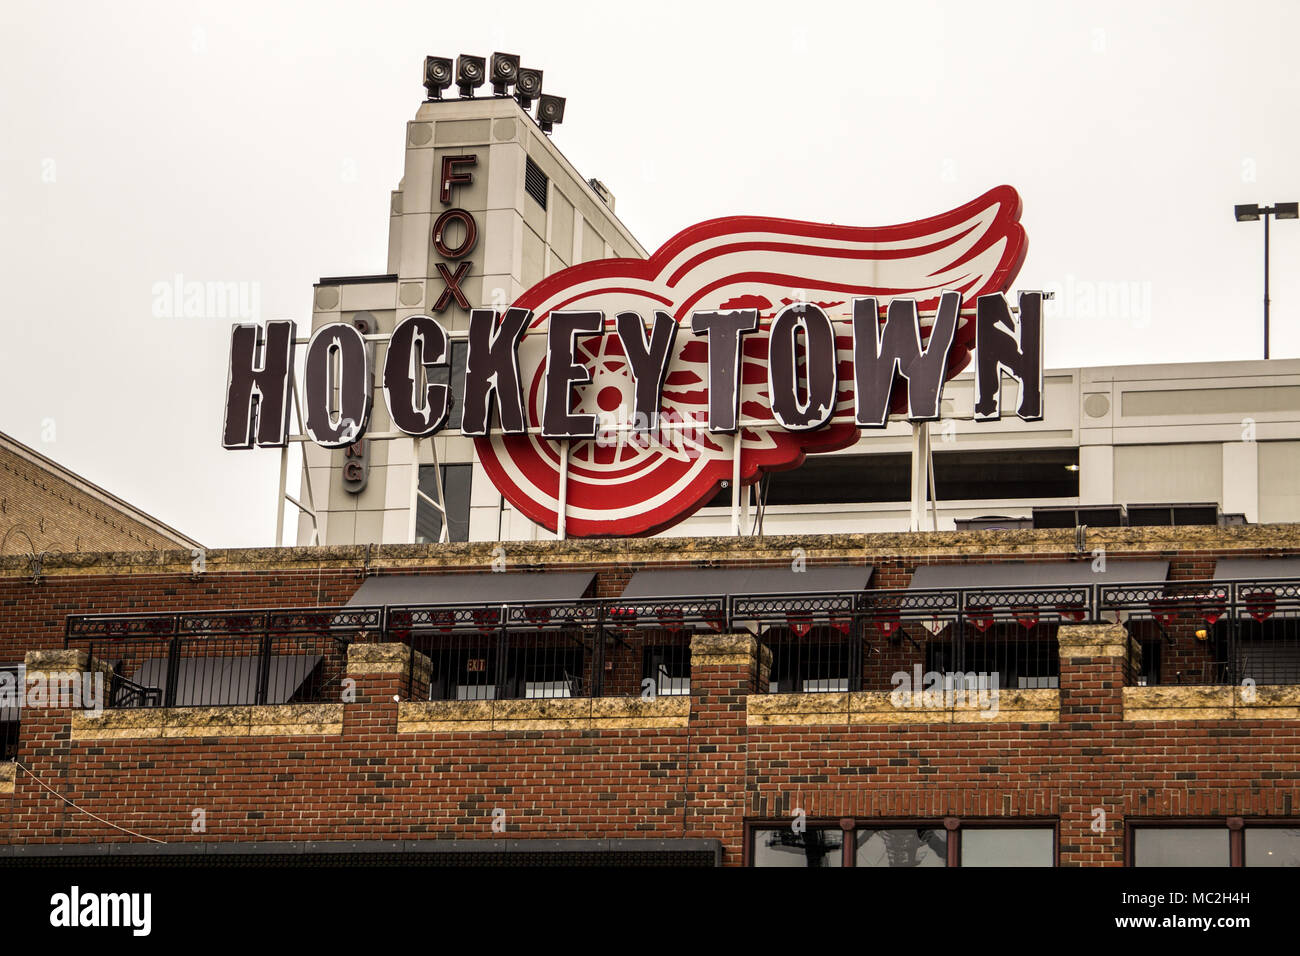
point(82, 810)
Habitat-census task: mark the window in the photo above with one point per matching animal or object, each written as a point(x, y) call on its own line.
point(897, 847)
point(544, 670)
point(1020, 658)
point(1272, 846)
point(815, 664)
point(532, 671)
point(1273, 657)
point(453, 376)
point(929, 843)
point(1015, 475)
point(1151, 650)
point(467, 673)
point(456, 487)
point(1227, 843)
point(669, 667)
point(535, 181)
point(782, 846)
point(1007, 846)
point(1266, 652)
point(1180, 846)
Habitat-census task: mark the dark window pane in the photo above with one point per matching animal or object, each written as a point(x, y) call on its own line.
point(814, 663)
point(1021, 659)
point(784, 847)
point(454, 376)
point(1012, 475)
point(669, 666)
point(1272, 846)
point(1180, 846)
point(894, 847)
point(1272, 660)
point(1006, 846)
point(456, 489)
point(1151, 650)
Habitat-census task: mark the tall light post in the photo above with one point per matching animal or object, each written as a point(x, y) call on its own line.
point(1253, 213)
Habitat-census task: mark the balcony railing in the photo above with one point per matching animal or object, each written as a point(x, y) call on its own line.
point(1192, 632)
point(212, 658)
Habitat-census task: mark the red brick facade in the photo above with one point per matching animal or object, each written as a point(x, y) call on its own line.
point(705, 778)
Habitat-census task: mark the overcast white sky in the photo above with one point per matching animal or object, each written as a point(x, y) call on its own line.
point(257, 142)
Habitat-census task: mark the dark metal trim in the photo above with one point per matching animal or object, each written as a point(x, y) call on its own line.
point(334, 847)
point(355, 280)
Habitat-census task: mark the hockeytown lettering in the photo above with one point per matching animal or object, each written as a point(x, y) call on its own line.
point(338, 375)
point(627, 390)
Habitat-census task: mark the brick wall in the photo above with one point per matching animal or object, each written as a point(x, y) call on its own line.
point(365, 775)
point(704, 776)
point(42, 511)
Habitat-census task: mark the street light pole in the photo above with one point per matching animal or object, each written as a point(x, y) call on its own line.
point(1253, 213)
point(1266, 339)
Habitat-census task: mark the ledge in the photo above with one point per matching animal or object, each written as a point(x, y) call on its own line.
point(879, 707)
point(1095, 640)
point(723, 650)
point(271, 720)
point(1273, 702)
point(392, 658)
point(575, 713)
point(60, 664)
point(532, 555)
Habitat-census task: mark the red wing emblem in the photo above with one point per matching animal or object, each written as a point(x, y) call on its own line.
point(623, 484)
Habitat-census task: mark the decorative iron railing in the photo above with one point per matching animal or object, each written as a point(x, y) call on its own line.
point(1194, 632)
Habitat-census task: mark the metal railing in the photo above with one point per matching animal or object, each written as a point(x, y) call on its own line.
point(213, 658)
point(1195, 632)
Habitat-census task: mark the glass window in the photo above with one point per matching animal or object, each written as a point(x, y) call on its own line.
point(902, 848)
point(1272, 846)
point(813, 664)
point(456, 487)
point(1007, 846)
point(453, 376)
point(669, 666)
point(782, 846)
point(1013, 475)
point(1180, 846)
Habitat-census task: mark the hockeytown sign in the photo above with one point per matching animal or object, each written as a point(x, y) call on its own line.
point(627, 391)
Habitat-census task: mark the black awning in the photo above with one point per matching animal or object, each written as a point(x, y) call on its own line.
point(1035, 574)
point(747, 582)
point(1256, 569)
point(228, 681)
point(486, 588)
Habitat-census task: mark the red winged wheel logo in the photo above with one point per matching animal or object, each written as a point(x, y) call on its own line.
point(623, 484)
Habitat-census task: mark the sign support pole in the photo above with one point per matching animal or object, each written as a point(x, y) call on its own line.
point(934, 495)
point(310, 510)
point(735, 482)
point(562, 511)
point(284, 489)
point(414, 498)
point(444, 534)
point(920, 473)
